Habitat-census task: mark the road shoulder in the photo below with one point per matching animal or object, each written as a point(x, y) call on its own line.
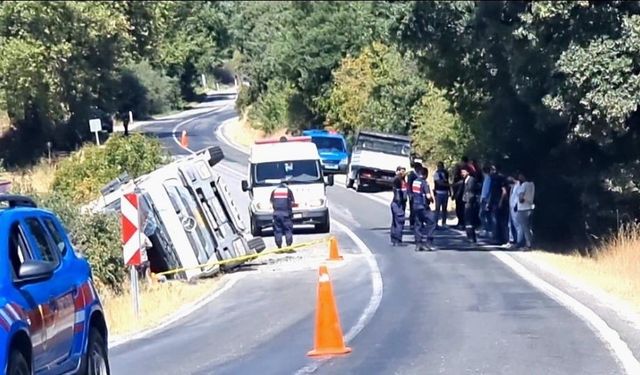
point(616, 314)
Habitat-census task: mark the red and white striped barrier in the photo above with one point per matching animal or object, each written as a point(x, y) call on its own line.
point(131, 236)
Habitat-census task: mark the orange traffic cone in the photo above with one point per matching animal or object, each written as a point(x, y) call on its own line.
point(184, 140)
point(328, 337)
point(333, 249)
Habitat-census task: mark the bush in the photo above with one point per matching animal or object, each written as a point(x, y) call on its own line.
point(272, 111)
point(81, 176)
point(146, 91)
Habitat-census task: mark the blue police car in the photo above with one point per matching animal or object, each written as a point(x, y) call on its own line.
point(51, 319)
point(332, 148)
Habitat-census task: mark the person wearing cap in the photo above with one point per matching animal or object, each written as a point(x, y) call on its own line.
point(398, 206)
point(425, 224)
point(282, 202)
point(413, 175)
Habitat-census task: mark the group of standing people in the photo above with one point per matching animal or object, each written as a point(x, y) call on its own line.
point(501, 206)
point(412, 189)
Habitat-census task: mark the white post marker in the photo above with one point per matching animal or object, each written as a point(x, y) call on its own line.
point(95, 125)
point(130, 118)
point(132, 242)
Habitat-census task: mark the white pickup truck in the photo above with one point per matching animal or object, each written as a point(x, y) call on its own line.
point(375, 157)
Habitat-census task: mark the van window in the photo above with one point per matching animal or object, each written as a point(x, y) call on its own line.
point(295, 171)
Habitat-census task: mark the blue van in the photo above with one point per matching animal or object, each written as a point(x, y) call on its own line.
point(332, 148)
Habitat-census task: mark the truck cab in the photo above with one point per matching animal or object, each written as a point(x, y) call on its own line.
point(332, 148)
point(296, 161)
point(375, 157)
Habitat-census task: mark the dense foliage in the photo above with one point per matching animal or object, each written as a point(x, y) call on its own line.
point(81, 176)
point(61, 62)
point(548, 87)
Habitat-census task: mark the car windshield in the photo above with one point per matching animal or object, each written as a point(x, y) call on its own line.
point(383, 145)
point(300, 171)
point(328, 144)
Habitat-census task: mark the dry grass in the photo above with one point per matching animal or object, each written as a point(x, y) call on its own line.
point(39, 177)
point(615, 267)
point(157, 302)
point(243, 134)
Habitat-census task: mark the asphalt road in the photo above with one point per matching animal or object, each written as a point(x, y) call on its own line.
point(458, 310)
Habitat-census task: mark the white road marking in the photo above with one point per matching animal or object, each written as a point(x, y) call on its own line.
point(609, 336)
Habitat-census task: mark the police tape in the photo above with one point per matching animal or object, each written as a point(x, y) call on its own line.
point(286, 249)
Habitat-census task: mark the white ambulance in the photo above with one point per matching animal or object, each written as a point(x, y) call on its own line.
point(296, 161)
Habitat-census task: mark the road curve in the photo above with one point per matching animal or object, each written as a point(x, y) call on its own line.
point(456, 311)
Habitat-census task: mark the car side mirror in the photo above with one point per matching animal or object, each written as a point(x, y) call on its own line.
point(245, 185)
point(329, 180)
point(35, 270)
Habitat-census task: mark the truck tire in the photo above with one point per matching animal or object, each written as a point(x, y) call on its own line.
point(17, 364)
point(325, 226)
point(256, 231)
point(216, 155)
point(257, 245)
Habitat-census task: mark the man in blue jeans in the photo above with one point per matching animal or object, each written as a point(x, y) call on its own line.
point(486, 220)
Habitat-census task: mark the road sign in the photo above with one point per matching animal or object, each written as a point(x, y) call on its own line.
point(95, 125)
point(132, 242)
point(131, 236)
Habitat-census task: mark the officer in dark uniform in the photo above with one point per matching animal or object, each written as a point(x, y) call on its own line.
point(425, 224)
point(398, 206)
point(413, 175)
point(282, 202)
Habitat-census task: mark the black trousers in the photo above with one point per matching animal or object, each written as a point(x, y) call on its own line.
point(460, 210)
point(471, 215)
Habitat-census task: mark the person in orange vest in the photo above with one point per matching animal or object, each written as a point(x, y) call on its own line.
point(282, 202)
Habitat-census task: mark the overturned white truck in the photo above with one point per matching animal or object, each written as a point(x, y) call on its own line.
point(188, 216)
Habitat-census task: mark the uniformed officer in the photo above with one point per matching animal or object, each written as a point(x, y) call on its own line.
point(425, 224)
point(282, 202)
point(413, 175)
point(398, 206)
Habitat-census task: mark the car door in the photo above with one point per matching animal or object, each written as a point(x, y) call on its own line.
point(61, 290)
point(34, 295)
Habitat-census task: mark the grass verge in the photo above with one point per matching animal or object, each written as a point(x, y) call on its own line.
point(614, 267)
point(243, 134)
point(158, 301)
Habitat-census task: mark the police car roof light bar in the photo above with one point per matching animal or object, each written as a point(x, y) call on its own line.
point(17, 201)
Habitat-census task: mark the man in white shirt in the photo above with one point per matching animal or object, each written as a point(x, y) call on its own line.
point(524, 209)
point(513, 207)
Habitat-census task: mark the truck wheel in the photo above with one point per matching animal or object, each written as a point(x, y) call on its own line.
point(325, 226)
point(257, 245)
point(256, 231)
point(215, 155)
point(17, 364)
